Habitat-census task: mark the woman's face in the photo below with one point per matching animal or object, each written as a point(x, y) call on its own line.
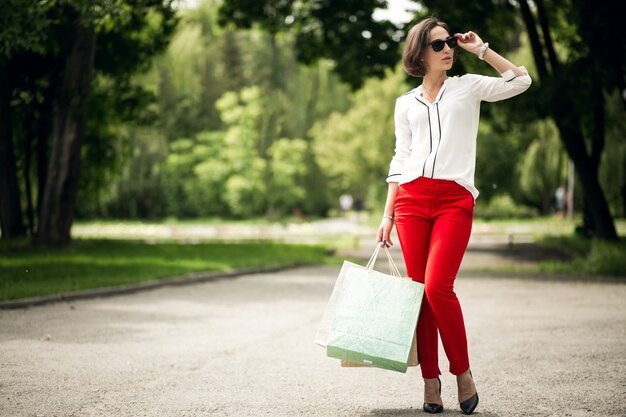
point(443, 59)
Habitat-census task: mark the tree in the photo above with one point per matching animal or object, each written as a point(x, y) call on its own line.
point(542, 168)
point(11, 220)
point(575, 88)
point(51, 62)
point(343, 31)
point(201, 64)
point(288, 168)
point(354, 148)
point(59, 198)
point(21, 27)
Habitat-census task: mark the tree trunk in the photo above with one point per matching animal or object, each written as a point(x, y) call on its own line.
point(597, 134)
point(31, 128)
point(624, 199)
point(535, 42)
point(59, 200)
point(569, 124)
point(11, 221)
point(43, 136)
point(547, 37)
point(28, 155)
point(598, 209)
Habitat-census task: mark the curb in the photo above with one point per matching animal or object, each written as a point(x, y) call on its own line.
point(187, 279)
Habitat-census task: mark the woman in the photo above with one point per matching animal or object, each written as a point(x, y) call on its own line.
point(431, 190)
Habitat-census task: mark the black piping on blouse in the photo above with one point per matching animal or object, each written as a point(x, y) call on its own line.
point(438, 143)
point(432, 175)
point(439, 121)
point(431, 136)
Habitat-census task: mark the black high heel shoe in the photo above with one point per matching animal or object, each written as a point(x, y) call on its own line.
point(468, 406)
point(434, 408)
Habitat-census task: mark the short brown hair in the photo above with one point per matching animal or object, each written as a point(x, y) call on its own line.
point(415, 43)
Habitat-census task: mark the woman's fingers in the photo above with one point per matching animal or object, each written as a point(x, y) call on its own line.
point(466, 37)
point(462, 36)
point(383, 236)
point(379, 235)
point(387, 237)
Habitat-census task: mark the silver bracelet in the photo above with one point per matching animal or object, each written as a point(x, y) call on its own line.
point(482, 51)
point(388, 217)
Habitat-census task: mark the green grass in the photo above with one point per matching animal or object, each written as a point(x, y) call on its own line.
point(588, 257)
point(86, 264)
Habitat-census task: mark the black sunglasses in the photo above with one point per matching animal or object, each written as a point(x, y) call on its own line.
point(437, 45)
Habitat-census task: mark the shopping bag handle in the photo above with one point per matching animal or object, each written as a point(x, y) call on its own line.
point(372, 261)
point(393, 269)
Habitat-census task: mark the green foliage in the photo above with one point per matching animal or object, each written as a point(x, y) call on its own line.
point(502, 206)
point(543, 167)
point(288, 169)
point(142, 196)
point(85, 264)
point(354, 148)
point(344, 32)
point(233, 112)
point(245, 187)
point(607, 258)
point(504, 134)
point(613, 165)
point(34, 45)
point(105, 143)
point(500, 144)
point(232, 172)
point(227, 122)
point(23, 25)
point(131, 33)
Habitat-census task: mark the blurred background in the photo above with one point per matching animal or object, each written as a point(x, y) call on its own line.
point(262, 111)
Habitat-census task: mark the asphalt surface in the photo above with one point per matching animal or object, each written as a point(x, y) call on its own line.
point(244, 347)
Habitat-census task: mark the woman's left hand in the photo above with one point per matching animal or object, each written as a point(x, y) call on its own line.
point(469, 41)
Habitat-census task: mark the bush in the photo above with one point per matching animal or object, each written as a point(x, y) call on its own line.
point(503, 207)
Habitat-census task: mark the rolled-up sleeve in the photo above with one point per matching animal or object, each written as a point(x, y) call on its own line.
point(403, 142)
point(499, 88)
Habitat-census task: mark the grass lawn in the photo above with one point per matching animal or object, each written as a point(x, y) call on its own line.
point(85, 264)
point(588, 256)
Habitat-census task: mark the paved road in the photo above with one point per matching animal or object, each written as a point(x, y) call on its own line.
point(243, 347)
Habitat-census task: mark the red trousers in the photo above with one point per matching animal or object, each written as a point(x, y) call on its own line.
point(434, 222)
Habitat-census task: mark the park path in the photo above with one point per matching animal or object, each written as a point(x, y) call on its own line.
point(243, 347)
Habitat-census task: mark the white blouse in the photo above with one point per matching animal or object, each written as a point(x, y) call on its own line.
point(438, 140)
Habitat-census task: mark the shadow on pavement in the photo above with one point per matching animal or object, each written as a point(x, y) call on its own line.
point(520, 252)
point(403, 412)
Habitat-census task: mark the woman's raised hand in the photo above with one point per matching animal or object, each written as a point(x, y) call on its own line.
point(469, 41)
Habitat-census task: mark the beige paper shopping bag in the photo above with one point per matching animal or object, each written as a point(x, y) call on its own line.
point(413, 361)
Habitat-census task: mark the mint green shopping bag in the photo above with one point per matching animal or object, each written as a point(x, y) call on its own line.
point(375, 318)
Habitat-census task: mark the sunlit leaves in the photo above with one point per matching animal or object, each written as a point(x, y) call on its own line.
point(354, 148)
